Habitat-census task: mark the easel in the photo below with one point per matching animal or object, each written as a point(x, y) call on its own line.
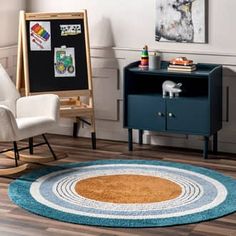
point(75, 103)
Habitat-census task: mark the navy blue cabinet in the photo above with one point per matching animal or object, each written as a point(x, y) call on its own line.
point(197, 111)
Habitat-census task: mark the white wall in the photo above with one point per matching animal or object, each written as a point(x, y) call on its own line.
point(118, 31)
point(9, 15)
point(132, 23)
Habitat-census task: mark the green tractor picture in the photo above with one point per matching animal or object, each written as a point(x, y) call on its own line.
point(64, 62)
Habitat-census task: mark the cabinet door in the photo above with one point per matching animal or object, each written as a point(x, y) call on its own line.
point(146, 112)
point(188, 115)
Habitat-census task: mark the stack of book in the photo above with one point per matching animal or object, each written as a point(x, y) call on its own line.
point(187, 68)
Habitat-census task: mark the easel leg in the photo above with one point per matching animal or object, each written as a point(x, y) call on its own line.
point(205, 150)
point(75, 129)
point(92, 125)
point(93, 137)
point(130, 139)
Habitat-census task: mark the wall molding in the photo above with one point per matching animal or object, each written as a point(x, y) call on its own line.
point(128, 49)
point(190, 52)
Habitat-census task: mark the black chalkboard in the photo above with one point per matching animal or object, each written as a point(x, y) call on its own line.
point(42, 63)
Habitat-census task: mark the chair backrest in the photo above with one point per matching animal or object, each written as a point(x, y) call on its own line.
point(8, 91)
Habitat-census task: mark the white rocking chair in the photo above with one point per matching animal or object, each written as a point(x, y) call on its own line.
point(23, 118)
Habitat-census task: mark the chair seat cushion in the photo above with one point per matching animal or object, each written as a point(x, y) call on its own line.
point(33, 126)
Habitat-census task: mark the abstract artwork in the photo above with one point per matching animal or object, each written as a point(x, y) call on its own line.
point(181, 21)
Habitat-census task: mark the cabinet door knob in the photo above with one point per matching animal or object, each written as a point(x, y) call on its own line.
point(171, 114)
point(160, 114)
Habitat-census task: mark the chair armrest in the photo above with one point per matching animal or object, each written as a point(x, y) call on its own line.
point(9, 130)
point(38, 105)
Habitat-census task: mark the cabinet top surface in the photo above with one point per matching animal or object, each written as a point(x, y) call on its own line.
point(202, 70)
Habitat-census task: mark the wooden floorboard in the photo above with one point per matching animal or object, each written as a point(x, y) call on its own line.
point(15, 221)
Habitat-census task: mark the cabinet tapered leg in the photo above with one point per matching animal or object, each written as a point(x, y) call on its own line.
point(215, 143)
point(130, 139)
point(205, 150)
point(140, 134)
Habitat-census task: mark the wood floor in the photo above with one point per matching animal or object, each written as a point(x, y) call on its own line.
point(16, 221)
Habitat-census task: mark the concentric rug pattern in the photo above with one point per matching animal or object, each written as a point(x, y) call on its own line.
point(126, 193)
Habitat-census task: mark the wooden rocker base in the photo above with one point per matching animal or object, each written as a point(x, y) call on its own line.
point(34, 158)
point(13, 170)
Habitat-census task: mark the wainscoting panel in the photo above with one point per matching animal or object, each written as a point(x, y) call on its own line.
point(8, 59)
point(105, 86)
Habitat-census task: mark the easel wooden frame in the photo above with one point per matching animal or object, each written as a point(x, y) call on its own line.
point(71, 104)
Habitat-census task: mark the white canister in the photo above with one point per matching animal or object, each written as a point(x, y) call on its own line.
point(154, 62)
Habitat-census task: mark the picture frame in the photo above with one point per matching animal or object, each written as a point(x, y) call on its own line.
point(183, 21)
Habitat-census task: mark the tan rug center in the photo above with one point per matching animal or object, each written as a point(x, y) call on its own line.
point(128, 189)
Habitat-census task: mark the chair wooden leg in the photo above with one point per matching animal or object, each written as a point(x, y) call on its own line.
point(50, 148)
point(17, 168)
point(31, 146)
point(16, 152)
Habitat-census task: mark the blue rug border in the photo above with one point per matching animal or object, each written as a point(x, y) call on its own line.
point(28, 203)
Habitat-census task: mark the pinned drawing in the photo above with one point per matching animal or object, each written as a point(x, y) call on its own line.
point(64, 62)
point(40, 36)
point(68, 30)
point(181, 21)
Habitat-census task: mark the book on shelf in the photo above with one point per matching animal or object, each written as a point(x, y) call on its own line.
point(182, 68)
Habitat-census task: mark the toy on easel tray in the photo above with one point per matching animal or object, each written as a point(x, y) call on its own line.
point(144, 58)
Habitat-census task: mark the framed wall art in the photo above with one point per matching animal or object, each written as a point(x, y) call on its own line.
point(181, 21)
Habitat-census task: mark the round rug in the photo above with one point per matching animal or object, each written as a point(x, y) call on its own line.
point(126, 193)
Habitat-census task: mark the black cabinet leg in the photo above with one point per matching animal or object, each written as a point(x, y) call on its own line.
point(75, 129)
point(93, 137)
point(140, 134)
point(31, 146)
point(130, 139)
point(205, 150)
point(215, 143)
